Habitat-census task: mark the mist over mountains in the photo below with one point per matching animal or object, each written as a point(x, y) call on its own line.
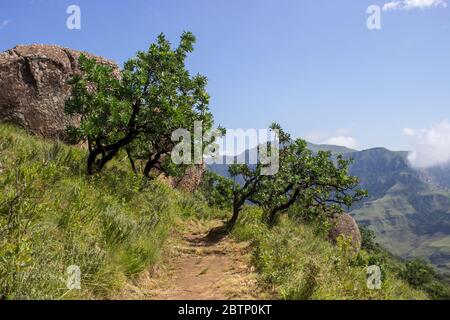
point(407, 208)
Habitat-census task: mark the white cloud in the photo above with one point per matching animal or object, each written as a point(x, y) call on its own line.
point(408, 132)
point(413, 4)
point(431, 146)
point(394, 5)
point(4, 23)
point(344, 141)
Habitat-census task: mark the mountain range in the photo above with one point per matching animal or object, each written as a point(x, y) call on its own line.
point(407, 208)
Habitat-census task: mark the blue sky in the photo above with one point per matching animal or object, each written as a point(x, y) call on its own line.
point(311, 65)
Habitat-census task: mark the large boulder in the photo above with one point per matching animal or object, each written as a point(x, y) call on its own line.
point(344, 224)
point(33, 87)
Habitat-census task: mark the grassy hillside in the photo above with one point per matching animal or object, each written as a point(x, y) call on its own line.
point(408, 231)
point(52, 216)
point(114, 226)
point(295, 258)
point(406, 208)
point(410, 216)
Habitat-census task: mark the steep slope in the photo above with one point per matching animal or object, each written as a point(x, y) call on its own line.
point(410, 215)
point(438, 175)
point(52, 216)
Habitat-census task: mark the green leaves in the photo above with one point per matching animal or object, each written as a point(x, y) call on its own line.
point(171, 98)
point(151, 97)
point(96, 98)
point(317, 184)
point(218, 190)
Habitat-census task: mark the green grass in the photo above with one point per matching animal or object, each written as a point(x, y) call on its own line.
point(114, 226)
point(53, 216)
point(300, 264)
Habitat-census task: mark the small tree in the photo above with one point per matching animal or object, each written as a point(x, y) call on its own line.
point(368, 240)
point(108, 122)
point(312, 181)
point(138, 109)
point(181, 101)
point(315, 183)
point(245, 192)
point(252, 177)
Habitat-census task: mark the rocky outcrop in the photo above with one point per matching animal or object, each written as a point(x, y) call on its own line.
point(192, 179)
point(33, 87)
point(344, 224)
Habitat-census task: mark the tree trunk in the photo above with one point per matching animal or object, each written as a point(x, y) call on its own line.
point(92, 160)
point(96, 165)
point(133, 166)
point(151, 164)
point(107, 152)
point(271, 218)
point(237, 206)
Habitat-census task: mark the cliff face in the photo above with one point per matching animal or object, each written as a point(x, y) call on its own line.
point(33, 87)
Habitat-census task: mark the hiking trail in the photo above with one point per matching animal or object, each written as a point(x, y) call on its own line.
point(198, 266)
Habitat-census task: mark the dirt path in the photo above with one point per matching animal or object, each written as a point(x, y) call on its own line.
point(198, 267)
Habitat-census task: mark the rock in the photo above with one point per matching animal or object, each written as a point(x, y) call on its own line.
point(190, 182)
point(192, 179)
point(33, 87)
point(344, 224)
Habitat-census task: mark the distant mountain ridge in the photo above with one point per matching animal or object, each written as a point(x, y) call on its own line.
point(409, 209)
point(328, 147)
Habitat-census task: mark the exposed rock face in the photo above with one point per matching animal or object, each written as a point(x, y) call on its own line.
point(344, 224)
point(33, 87)
point(192, 179)
point(190, 182)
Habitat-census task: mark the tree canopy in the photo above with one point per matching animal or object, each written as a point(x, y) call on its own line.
point(139, 108)
point(316, 183)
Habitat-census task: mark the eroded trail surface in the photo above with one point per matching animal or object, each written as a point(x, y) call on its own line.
point(196, 266)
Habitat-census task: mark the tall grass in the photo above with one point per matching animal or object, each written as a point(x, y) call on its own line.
point(297, 261)
point(113, 226)
point(52, 216)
